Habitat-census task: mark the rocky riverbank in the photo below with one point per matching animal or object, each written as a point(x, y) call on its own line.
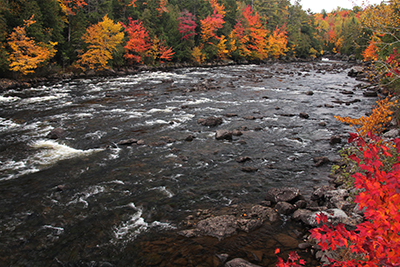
point(360, 71)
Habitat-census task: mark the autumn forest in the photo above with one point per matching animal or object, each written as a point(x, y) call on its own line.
point(79, 35)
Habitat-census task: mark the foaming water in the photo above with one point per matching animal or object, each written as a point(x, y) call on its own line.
point(45, 154)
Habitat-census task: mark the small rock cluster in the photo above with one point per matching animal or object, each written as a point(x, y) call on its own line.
point(286, 202)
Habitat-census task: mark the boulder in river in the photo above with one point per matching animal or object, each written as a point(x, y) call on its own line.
point(355, 71)
point(56, 133)
point(285, 194)
point(335, 140)
point(304, 115)
point(210, 121)
point(223, 134)
point(127, 142)
point(370, 94)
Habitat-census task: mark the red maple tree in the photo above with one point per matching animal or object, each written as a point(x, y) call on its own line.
point(139, 42)
point(187, 24)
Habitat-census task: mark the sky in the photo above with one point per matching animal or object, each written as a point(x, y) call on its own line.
point(316, 6)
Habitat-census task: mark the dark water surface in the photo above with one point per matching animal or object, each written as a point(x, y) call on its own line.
point(84, 200)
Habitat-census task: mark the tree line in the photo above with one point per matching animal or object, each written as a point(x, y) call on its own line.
point(78, 35)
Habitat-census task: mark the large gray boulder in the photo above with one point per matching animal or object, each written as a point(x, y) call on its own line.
point(284, 194)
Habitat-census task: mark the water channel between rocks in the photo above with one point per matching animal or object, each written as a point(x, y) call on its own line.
point(86, 199)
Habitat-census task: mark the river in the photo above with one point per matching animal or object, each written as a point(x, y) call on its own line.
point(86, 199)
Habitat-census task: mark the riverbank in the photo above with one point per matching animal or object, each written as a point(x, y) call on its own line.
point(51, 78)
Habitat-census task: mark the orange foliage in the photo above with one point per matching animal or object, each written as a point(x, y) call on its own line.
point(369, 53)
point(162, 7)
point(252, 38)
point(26, 54)
point(210, 25)
point(138, 43)
point(220, 9)
point(132, 3)
point(159, 52)
point(70, 6)
point(375, 123)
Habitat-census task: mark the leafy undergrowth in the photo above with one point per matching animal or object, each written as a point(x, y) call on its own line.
point(376, 241)
point(375, 174)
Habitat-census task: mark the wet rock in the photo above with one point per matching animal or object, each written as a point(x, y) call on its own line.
point(301, 215)
point(328, 106)
point(237, 133)
point(319, 161)
point(355, 71)
point(285, 194)
point(319, 192)
point(324, 256)
point(167, 139)
point(249, 118)
point(285, 208)
point(370, 94)
point(304, 115)
point(238, 262)
point(140, 142)
point(248, 225)
point(264, 213)
point(230, 115)
point(220, 227)
point(393, 133)
point(127, 142)
point(287, 115)
point(222, 257)
point(338, 193)
point(322, 123)
point(300, 204)
point(335, 140)
point(335, 216)
point(210, 121)
point(56, 133)
point(243, 159)
point(346, 92)
point(309, 93)
point(190, 138)
point(304, 245)
point(249, 169)
point(223, 135)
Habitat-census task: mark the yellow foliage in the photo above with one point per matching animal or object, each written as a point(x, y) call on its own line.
point(26, 54)
point(197, 55)
point(375, 123)
point(103, 38)
point(222, 51)
point(313, 53)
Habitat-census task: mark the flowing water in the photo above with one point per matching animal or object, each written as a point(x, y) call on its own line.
point(86, 200)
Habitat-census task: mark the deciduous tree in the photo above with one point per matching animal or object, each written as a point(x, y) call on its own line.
point(187, 25)
point(102, 39)
point(26, 54)
point(139, 42)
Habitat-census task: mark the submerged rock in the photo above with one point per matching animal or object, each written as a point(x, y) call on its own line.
point(56, 133)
